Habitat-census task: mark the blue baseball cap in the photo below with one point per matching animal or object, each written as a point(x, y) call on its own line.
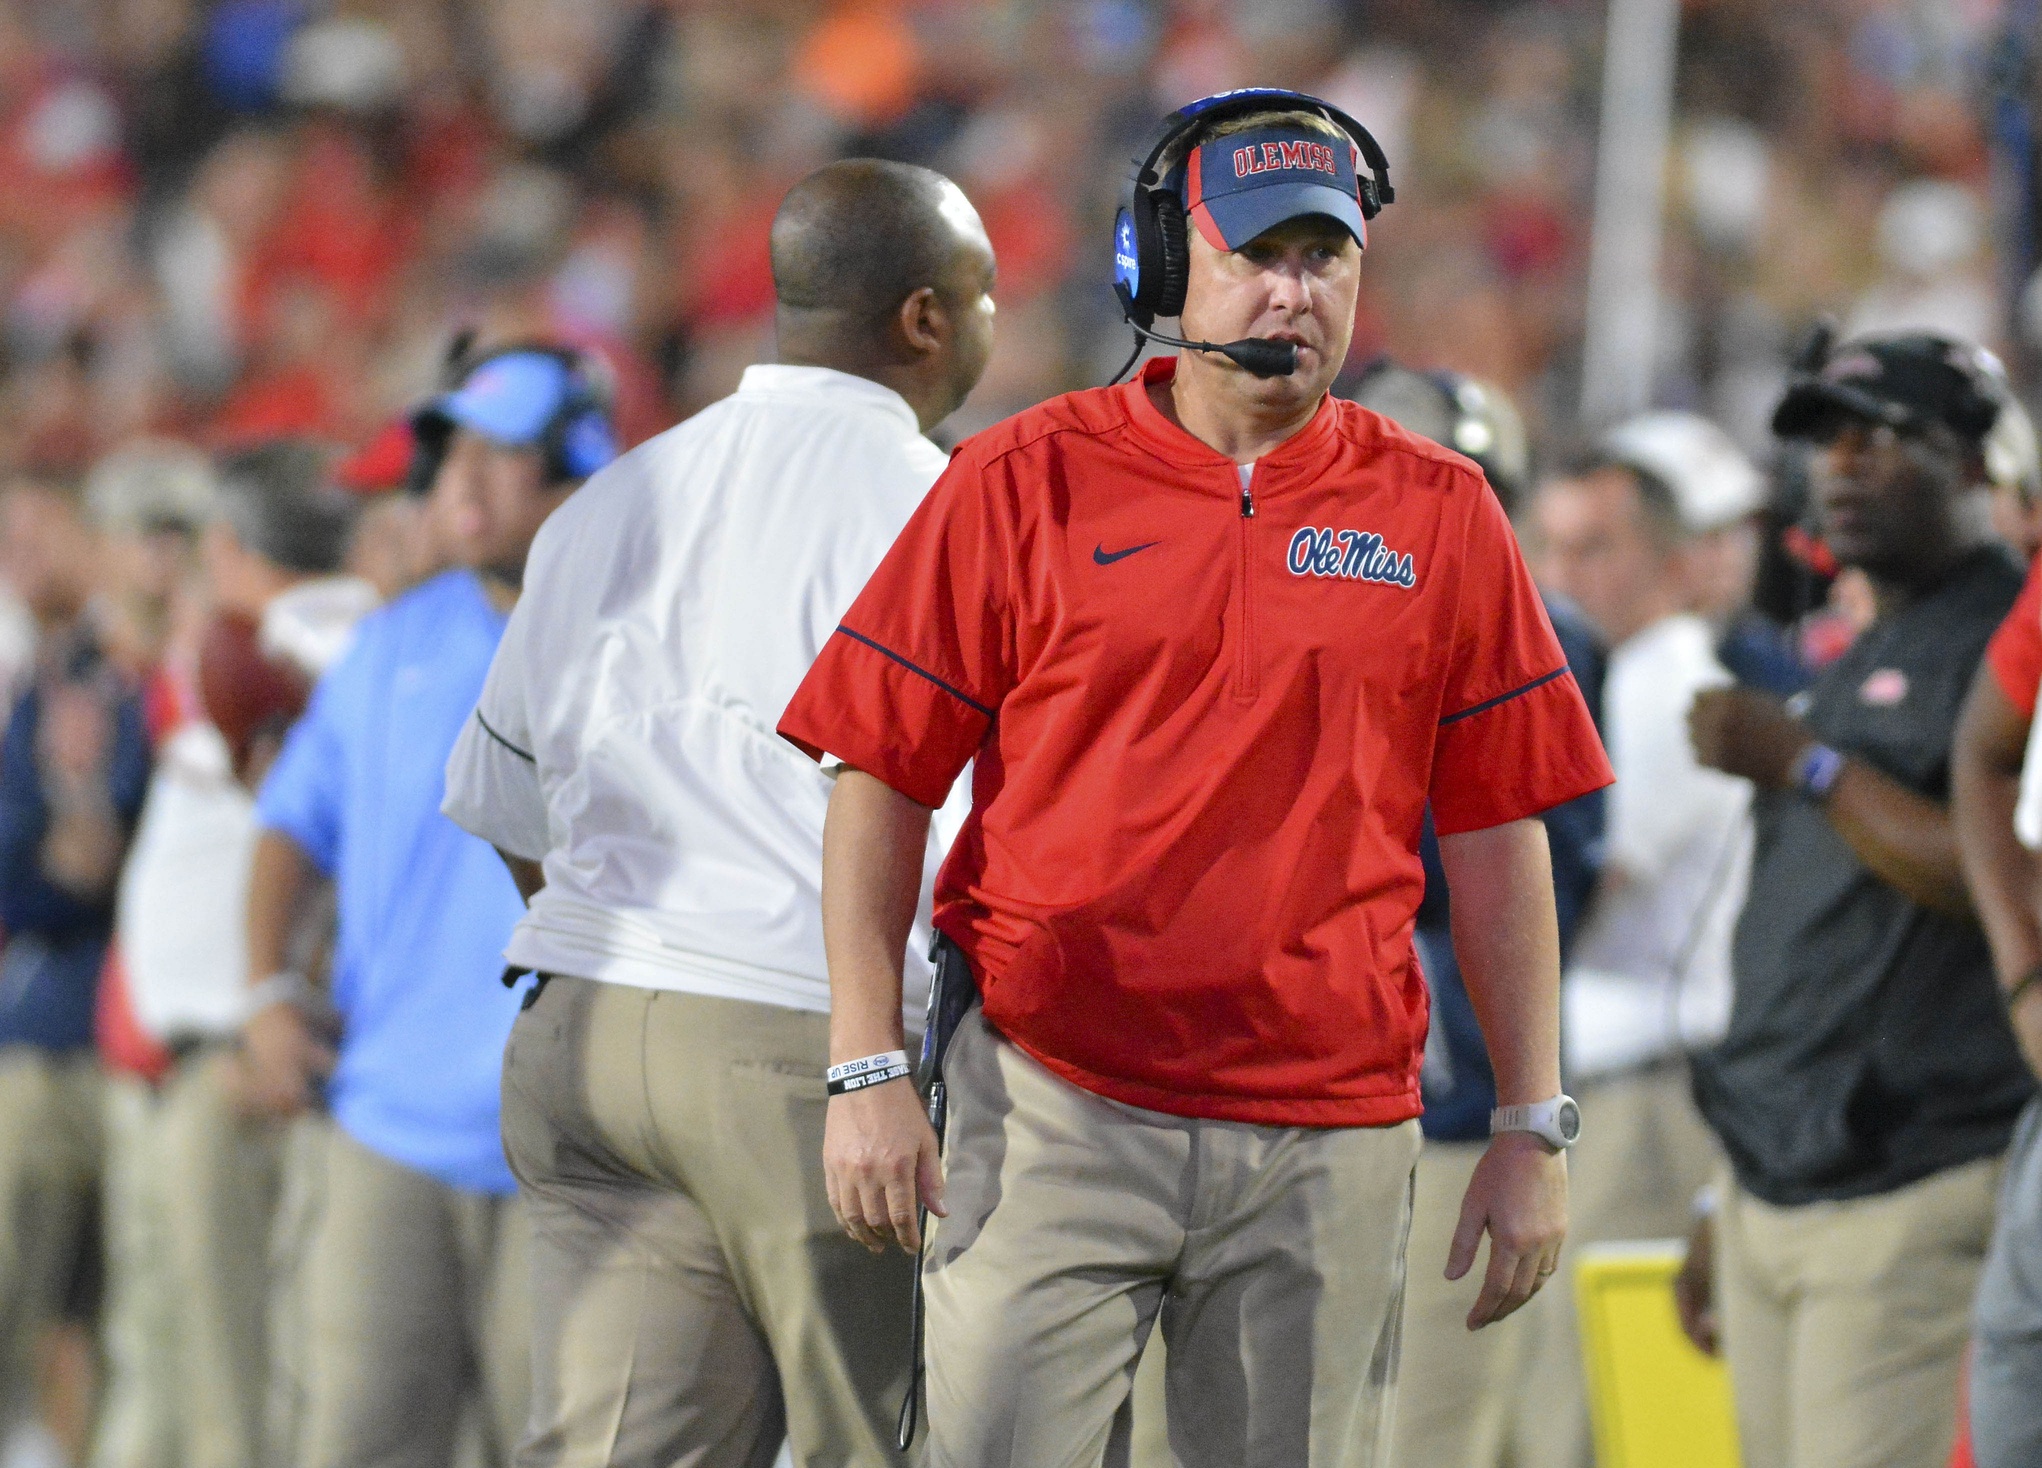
point(1238, 186)
point(522, 397)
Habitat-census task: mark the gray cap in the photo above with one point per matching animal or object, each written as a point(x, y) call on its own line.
point(283, 506)
point(151, 484)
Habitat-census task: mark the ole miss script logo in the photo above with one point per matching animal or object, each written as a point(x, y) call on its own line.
point(1315, 156)
point(1350, 555)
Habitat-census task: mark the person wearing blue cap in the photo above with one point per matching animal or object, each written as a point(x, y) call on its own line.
point(415, 1295)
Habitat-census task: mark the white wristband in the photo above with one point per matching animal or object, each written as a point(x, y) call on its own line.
point(281, 988)
point(873, 1070)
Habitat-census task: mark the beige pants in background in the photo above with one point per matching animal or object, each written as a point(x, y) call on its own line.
point(1643, 1155)
point(1272, 1256)
point(191, 1194)
point(50, 1139)
point(136, 1423)
point(303, 1195)
point(416, 1317)
point(1459, 1387)
point(695, 1300)
point(1844, 1324)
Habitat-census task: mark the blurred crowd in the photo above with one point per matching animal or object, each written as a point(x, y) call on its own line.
point(267, 216)
point(241, 241)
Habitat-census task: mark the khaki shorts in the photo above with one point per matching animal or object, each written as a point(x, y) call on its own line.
point(1272, 1256)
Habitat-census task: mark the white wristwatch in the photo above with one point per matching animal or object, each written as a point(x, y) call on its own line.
point(1556, 1122)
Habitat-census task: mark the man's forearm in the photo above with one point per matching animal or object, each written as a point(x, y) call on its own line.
point(276, 885)
point(526, 875)
point(1507, 940)
point(873, 844)
point(1985, 785)
point(1905, 840)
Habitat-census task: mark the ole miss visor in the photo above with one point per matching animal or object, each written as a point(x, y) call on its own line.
point(1237, 186)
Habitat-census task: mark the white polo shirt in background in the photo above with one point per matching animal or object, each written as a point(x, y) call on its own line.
point(624, 737)
point(1650, 972)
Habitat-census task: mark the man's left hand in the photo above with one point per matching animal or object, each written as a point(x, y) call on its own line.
point(1741, 732)
point(1518, 1196)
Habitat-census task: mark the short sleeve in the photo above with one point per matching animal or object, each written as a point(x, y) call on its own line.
point(1515, 737)
point(908, 684)
point(493, 788)
point(304, 793)
point(2015, 652)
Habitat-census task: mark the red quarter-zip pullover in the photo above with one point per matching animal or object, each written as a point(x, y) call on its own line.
point(1207, 719)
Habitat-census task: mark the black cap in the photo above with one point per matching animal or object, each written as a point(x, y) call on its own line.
point(1906, 381)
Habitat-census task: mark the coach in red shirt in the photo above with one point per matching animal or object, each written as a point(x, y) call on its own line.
point(1213, 641)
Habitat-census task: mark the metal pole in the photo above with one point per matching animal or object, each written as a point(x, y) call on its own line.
point(1630, 189)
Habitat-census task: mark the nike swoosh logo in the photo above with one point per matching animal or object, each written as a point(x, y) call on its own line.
point(1104, 557)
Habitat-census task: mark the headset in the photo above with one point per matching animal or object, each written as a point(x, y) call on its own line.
point(1456, 411)
point(1151, 246)
point(576, 441)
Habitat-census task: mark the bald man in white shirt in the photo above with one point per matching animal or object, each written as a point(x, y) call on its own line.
point(695, 1300)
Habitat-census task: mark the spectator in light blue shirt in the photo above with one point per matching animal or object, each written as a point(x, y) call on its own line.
point(416, 1298)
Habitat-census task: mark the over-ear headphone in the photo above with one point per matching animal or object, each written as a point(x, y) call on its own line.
point(1151, 250)
point(577, 439)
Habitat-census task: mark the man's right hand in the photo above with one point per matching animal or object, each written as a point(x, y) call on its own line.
point(284, 1060)
point(1694, 1289)
point(879, 1160)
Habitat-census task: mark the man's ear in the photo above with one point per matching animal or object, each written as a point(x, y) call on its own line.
point(923, 322)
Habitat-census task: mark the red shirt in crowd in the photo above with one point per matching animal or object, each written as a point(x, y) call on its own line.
point(1206, 719)
point(2015, 652)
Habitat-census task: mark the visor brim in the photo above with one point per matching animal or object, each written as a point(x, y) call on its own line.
point(1241, 216)
point(1811, 406)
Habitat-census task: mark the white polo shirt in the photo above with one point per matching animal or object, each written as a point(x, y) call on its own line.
point(1650, 971)
point(625, 738)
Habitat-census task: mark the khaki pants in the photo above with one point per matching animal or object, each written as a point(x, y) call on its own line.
point(222, 1174)
point(1460, 1387)
point(136, 1423)
point(49, 1171)
point(1273, 1257)
point(190, 1197)
point(416, 1317)
point(1643, 1155)
point(694, 1298)
point(299, 1208)
point(1844, 1324)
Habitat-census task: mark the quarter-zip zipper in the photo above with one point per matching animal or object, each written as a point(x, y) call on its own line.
point(1247, 679)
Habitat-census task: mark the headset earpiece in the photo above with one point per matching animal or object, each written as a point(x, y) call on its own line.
point(1173, 251)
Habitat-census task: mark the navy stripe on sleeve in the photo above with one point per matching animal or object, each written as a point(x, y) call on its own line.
point(1484, 707)
point(521, 754)
point(957, 693)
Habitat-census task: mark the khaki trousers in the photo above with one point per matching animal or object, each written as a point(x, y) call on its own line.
point(694, 1298)
point(1844, 1324)
point(191, 1196)
point(136, 1424)
point(416, 1317)
point(286, 1333)
point(1460, 1387)
point(1273, 1257)
point(1643, 1155)
point(50, 1139)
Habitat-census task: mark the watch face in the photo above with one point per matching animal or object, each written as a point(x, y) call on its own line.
point(1569, 1120)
